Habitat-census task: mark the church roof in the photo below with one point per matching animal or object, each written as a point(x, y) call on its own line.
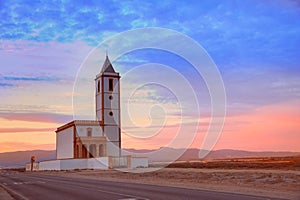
point(79, 123)
point(107, 66)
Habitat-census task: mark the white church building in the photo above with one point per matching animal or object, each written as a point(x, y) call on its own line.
point(94, 144)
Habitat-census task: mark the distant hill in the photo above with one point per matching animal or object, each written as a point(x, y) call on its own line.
point(19, 158)
point(229, 153)
point(193, 154)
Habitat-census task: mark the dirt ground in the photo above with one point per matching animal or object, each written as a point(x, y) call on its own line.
point(271, 183)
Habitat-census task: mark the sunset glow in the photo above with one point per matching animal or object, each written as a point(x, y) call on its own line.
point(254, 44)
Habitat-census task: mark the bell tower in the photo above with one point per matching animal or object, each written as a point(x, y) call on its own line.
point(107, 85)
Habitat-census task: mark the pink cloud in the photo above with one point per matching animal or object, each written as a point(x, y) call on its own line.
point(37, 117)
point(272, 127)
point(16, 130)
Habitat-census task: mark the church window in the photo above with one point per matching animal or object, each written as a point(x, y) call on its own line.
point(110, 97)
point(89, 132)
point(101, 150)
point(110, 113)
point(98, 86)
point(111, 85)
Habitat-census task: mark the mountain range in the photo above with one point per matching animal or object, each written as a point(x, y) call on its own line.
point(19, 158)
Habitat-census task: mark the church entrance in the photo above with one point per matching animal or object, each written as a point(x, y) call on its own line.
point(84, 151)
point(92, 151)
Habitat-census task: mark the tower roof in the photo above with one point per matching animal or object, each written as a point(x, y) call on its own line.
point(107, 66)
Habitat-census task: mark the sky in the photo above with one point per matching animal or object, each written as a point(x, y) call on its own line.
point(254, 44)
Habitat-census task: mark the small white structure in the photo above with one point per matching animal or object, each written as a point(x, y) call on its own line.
point(94, 144)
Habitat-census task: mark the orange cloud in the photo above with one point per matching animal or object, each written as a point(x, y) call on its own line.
point(18, 135)
point(22, 146)
point(273, 127)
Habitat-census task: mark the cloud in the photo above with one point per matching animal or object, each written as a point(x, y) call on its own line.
point(227, 29)
point(37, 117)
point(270, 127)
point(23, 130)
point(43, 43)
point(14, 78)
point(5, 84)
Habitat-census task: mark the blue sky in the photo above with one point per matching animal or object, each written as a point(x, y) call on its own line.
point(255, 44)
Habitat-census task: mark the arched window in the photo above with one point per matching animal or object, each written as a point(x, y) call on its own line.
point(84, 151)
point(98, 86)
point(101, 150)
point(111, 85)
point(89, 132)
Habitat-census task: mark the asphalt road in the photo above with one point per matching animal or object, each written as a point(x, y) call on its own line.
point(42, 187)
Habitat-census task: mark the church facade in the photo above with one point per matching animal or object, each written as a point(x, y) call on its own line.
point(94, 144)
point(100, 137)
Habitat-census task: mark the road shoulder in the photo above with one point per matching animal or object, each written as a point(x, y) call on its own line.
point(4, 194)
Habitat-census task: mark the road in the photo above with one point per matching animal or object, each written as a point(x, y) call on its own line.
point(26, 186)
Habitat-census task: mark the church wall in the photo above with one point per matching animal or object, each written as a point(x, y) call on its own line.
point(111, 100)
point(81, 131)
point(112, 149)
point(65, 143)
point(112, 133)
point(114, 119)
point(99, 115)
point(115, 82)
point(98, 106)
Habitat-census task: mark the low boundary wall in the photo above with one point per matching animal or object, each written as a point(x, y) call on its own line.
point(90, 163)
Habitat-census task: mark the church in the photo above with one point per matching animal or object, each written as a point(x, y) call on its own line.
point(94, 144)
point(99, 138)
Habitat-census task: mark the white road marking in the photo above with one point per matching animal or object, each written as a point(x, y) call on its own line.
point(128, 199)
point(132, 197)
point(29, 182)
point(42, 182)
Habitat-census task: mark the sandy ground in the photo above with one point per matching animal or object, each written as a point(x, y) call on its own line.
point(271, 183)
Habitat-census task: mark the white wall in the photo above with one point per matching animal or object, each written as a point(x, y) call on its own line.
point(99, 106)
point(35, 167)
point(98, 163)
point(65, 143)
point(106, 89)
point(50, 165)
point(139, 162)
point(112, 133)
point(92, 163)
point(114, 120)
point(82, 130)
point(112, 148)
point(73, 164)
point(111, 103)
